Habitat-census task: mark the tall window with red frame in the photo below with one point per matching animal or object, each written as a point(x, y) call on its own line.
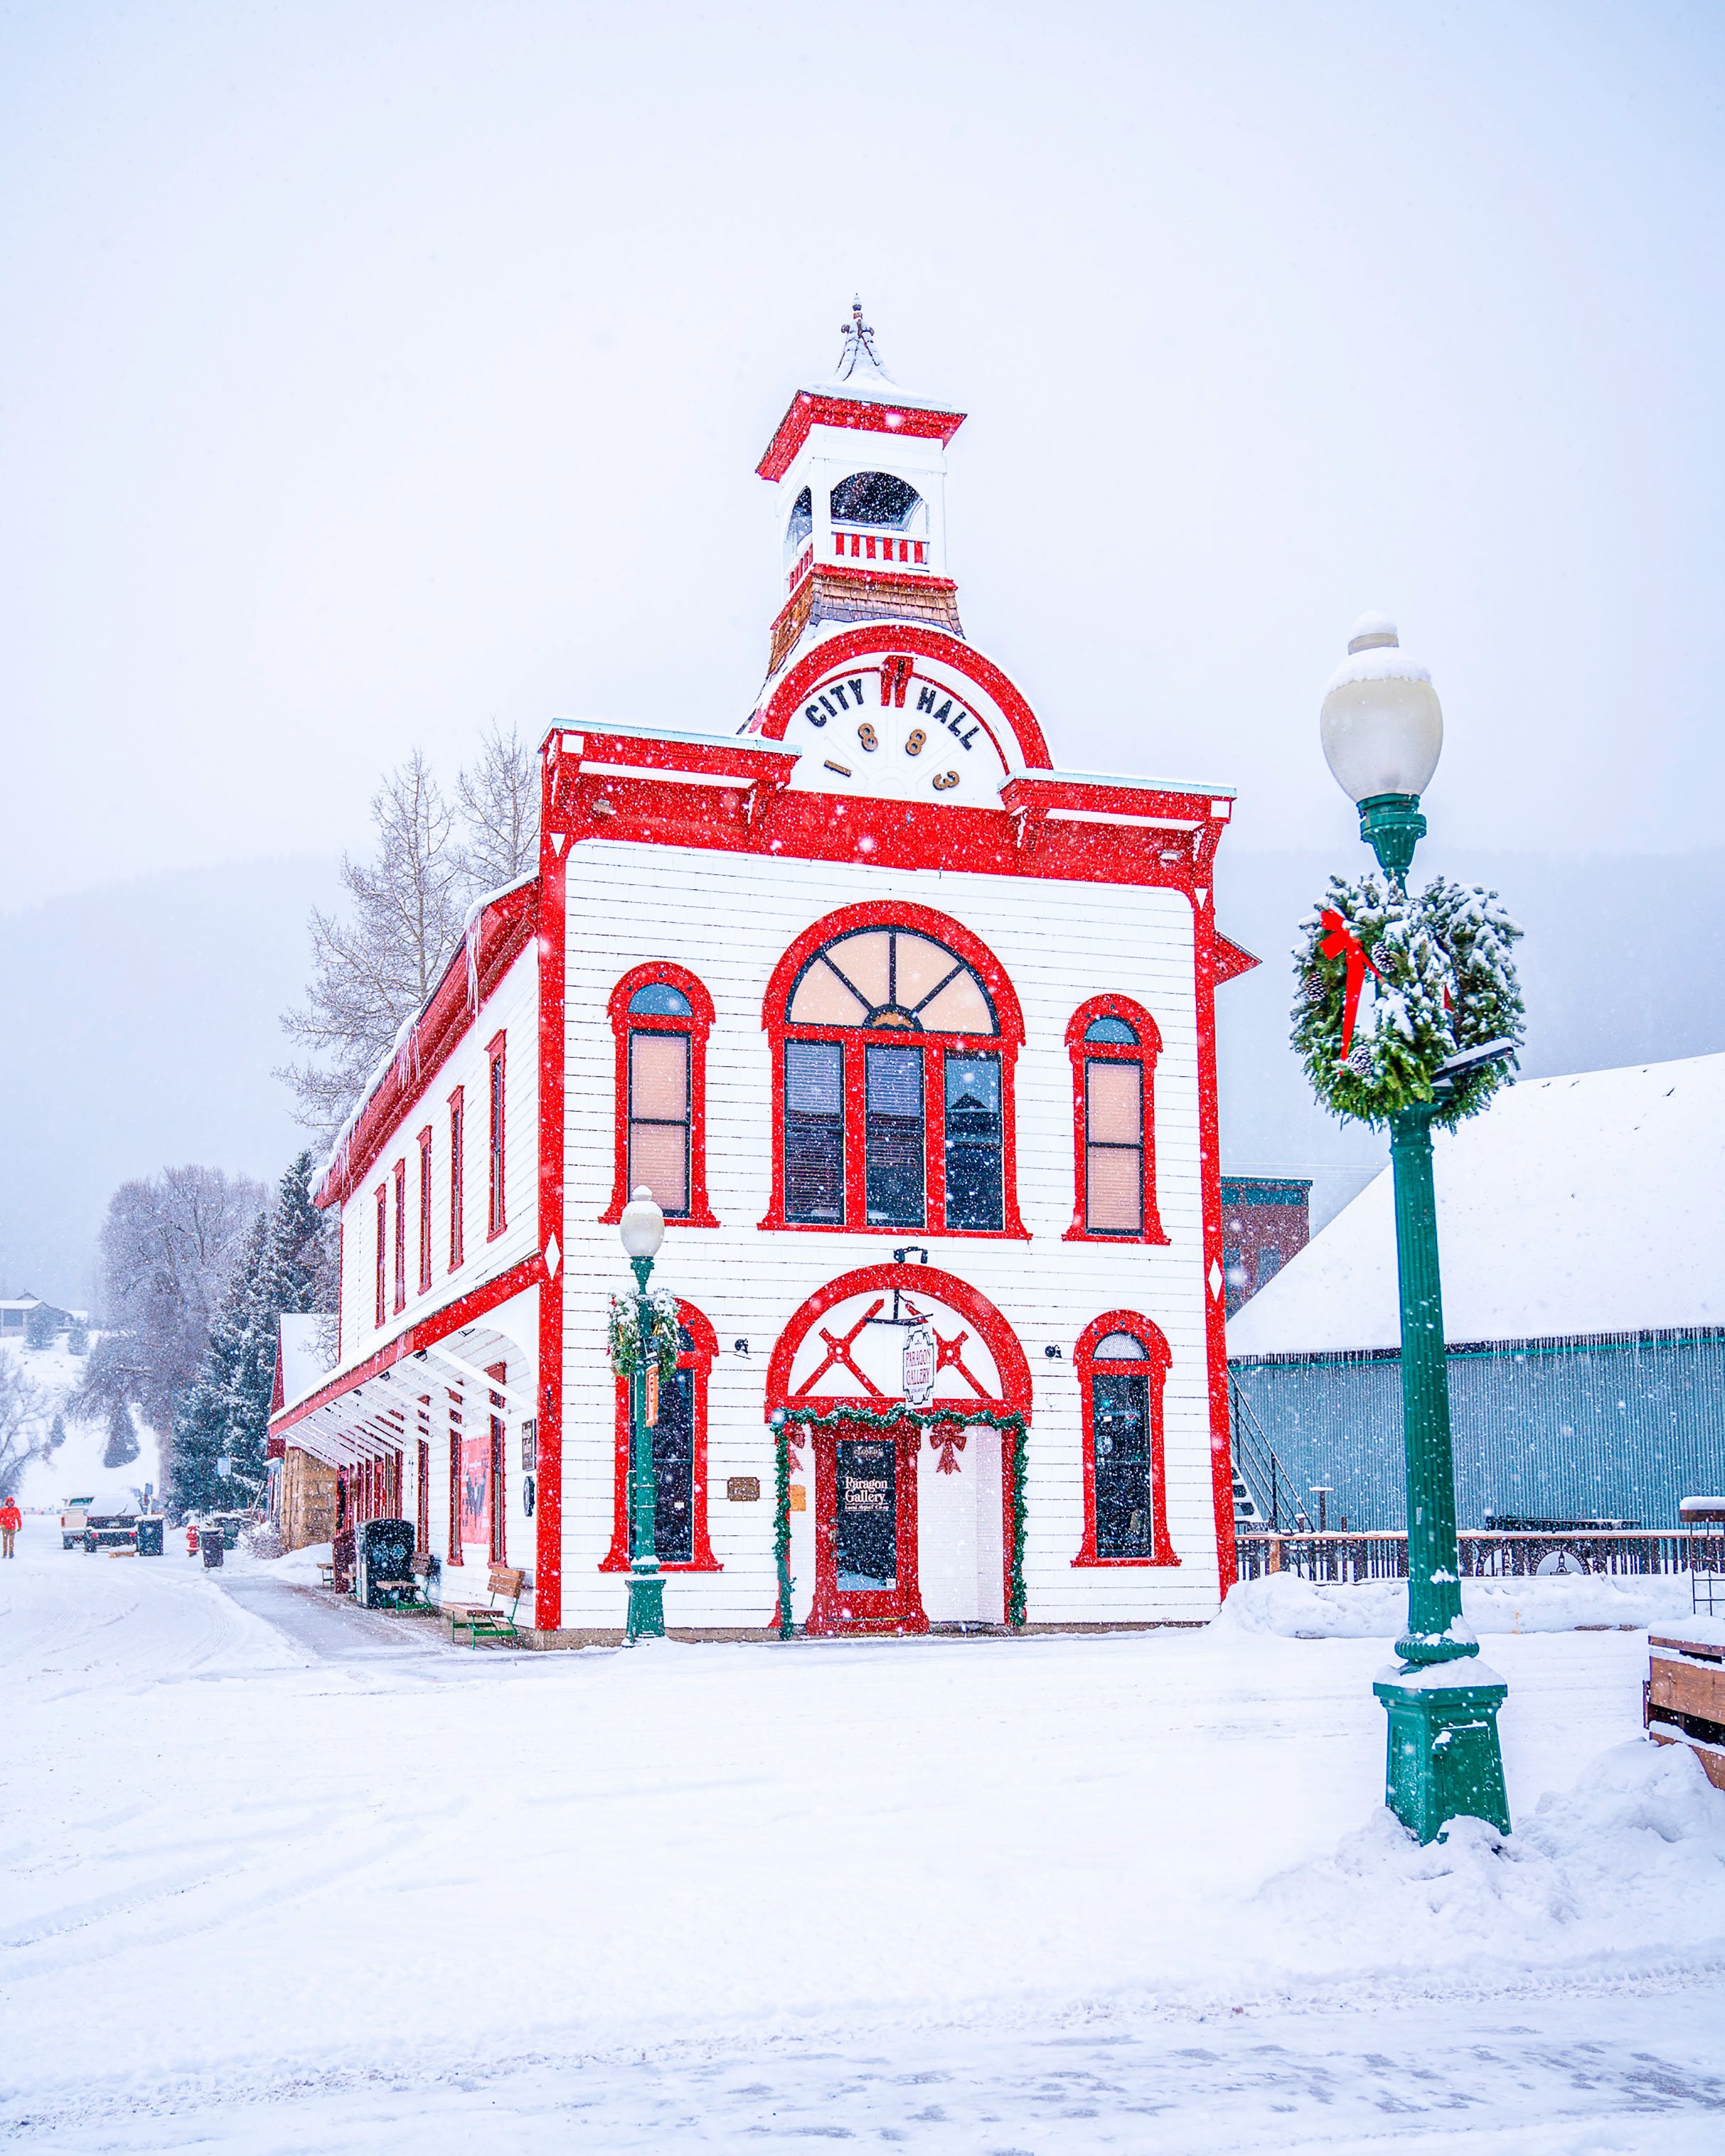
point(383, 1310)
point(895, 1101)
point(1121, 1363)
point(496, 1214)
point(1114, 1044)
point(498, 1373)
point(661, 1016)
point(426, 1210)
point(401, 1235)
point(457, 1162)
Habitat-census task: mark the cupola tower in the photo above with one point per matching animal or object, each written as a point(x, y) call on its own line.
point(859, 471)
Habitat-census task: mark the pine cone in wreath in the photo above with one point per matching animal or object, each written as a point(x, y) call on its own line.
point(1316, 987)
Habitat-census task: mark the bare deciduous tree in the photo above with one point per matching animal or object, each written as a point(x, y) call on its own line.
point(375, 966)
point(499, 805)
point(167, 1248)
point(24, 1434)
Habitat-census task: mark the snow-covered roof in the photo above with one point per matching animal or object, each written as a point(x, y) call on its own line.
point(859, 373)
point(1571, 1206)
point(305, 1358)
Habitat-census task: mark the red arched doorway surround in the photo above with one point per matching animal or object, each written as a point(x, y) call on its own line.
point(959, 1315)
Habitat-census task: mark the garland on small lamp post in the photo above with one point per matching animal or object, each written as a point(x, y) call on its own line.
point(644, 1341)
point(1409, 1015)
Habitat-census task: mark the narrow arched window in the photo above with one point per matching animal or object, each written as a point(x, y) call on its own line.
point(895, 1032)
point(1121, 1361)
point(1114, 1044)
point(661, 1017)
point(679, 1440)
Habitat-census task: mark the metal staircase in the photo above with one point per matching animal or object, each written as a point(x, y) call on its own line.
point(1265, 1495)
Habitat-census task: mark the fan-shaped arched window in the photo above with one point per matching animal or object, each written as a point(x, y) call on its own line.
point(801, 523)
point(1114, 1045)
point(875, 497)
point(662, 1015)
point(1122, 1360)
point(894, 1035)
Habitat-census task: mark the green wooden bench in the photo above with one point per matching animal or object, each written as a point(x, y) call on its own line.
point(489, 1621)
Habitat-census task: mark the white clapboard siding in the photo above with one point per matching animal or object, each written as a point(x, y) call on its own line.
point(729, 918)
point(511, 1008)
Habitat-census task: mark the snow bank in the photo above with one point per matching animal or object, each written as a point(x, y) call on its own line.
point(1377, 1608)
point(1635, 1850)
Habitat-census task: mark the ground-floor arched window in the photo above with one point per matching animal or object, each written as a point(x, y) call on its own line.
point(679, 1437)
point(1122, 1363)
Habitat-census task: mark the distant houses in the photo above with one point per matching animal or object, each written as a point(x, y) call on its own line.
point(1582, 1236)
point(16, 1315)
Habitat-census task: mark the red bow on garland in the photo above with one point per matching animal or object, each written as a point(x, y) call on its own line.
point(1341, 940)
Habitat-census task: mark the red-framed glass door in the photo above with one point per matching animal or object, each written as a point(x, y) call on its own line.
point(866, 1576)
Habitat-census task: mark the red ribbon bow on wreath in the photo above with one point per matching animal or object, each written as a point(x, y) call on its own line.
point(1340, 941)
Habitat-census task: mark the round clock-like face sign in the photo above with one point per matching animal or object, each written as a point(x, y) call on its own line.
point(901, 728)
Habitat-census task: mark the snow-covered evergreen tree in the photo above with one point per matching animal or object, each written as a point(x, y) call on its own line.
point(40, 1327)
point(201, 1425)
point(122, 1446)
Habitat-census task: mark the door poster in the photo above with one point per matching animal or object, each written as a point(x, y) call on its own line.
point(476, 1489)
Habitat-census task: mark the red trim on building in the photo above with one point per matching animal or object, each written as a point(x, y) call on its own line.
point(1144, 1055)
point(895, 638)
point(765, 817)
point(1228, 961)
point(457, 1546)
point(400, 1181)
point(698, 1360)
point(901, 1610)
point(502, 933)
point(811, 408)
point(437, 1325)
point(1204, 941)
point(1004, 1042)
point(498, 1373)
point(696, 1028)
point(553, 1049)
point(497, 1131)
point(1154, 1369)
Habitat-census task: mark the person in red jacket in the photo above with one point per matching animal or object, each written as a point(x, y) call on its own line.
point(11, 1520)
point(191, 1538)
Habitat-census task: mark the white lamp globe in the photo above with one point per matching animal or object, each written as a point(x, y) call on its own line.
point(1382, 724)
point(642, 1225)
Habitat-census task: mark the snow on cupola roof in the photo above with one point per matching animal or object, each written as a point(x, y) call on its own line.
point(859, 372)
point(858, 392)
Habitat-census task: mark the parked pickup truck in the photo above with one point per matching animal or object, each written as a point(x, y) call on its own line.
point(79, 1524)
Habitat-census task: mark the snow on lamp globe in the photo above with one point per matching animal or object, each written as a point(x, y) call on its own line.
point(642, 1225)
point(1383, 731)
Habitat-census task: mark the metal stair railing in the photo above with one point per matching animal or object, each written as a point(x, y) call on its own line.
point(1267, 1483)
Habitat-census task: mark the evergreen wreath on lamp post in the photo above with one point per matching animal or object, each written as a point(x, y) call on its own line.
point(1391, 988)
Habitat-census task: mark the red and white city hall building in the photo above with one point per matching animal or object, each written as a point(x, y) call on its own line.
point(909, 1033)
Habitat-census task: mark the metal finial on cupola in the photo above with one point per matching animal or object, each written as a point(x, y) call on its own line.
point(858, 348)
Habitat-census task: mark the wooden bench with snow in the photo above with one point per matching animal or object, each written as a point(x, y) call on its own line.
point(489, 1621)
point(1684, 1697)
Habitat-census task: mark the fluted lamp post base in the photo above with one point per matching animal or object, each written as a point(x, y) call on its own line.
point(1444, 1762)
point(646, 1619)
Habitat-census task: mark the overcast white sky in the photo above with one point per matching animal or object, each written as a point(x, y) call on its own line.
point(372, 369)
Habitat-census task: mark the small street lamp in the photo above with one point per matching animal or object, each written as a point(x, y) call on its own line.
point(642, 1229)
point(1383, 731)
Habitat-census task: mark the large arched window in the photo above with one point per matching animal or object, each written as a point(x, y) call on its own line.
point(1114, 1045)
point(1122, 1364)
point(895, 1032)
point(662, 1015)
point(680, 1538)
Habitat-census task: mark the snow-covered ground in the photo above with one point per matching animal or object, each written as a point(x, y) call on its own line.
point(279, 1876)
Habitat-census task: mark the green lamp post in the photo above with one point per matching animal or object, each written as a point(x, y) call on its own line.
point(1383, 731)
point(642, 1229)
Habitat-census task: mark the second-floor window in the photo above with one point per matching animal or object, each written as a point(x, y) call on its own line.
point(426, 1210)
point(382, 1201)
point(497, 1213)
point(1114, 1045)
point(895, 1040)
point(661, 1016)
point(457, 1179)
point(401, 1235)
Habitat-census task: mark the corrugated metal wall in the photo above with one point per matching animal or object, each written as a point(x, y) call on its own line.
point(1569, 1431)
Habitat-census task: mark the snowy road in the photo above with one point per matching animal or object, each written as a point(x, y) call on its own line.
point(279, 1876)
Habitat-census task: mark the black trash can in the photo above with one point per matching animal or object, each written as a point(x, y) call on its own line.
point(209, 1543)
point(384, 1557)
point(149, 1537)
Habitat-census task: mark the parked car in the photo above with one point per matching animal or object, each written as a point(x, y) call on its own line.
point(73, 1517)
point(110, 1530)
